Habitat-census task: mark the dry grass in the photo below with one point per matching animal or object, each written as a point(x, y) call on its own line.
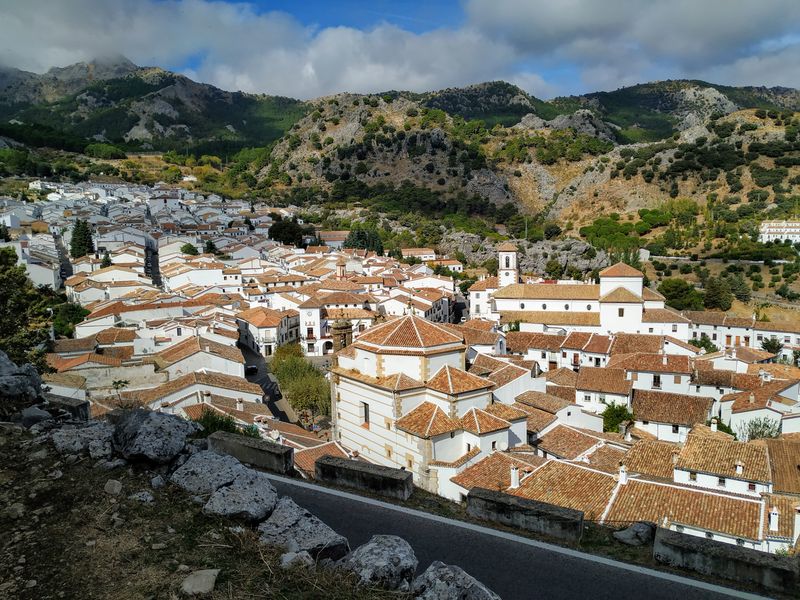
point(78, 542)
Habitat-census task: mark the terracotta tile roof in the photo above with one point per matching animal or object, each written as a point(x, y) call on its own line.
point(482, 285)
point(494, 471)
point(629, 343)
point(67, 346)
point(458, 462)
point(479, 422)
point(562, 376)
point(212, 379)
point(520, 341)
point(507, 247)
point(566, 442)
point(662, 315)
point(473, 336)
point(768, 394)
point(427, 420)
point(549, 291)
point(621, 295)
point(501, 373)
point(653, 363)
point(397, 382)
point(606, 458)
point(537, 419)
point(409, 332)
point(666, 407)
point(651, 458)
point(565, 392)
point(651, 294)
point(778, 326)
point(450, 380)
point(65, 364)
point(649, 501)
point(543, 401)
point(116, 335)
point(305, 459)
point(120, 352)
point(784, 462)
point(777, 370)
point(262, 317)
point(576, 340)
point(480, 324)
point(348, 313)
point(551, 317)
point(718, 457)
point(620, 270)
point(194, 345)
point(603, 379)
point(701, 429)
point(569, 485)
point(506, 412)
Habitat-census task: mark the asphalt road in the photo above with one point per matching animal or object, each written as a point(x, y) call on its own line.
point(513, 569)
point(271, 392)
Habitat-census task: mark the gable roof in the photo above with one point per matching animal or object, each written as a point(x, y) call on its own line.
point(667, 407)
point(427, 420)
point(479, 422)
point(603, 379)
point(194, 345)
point(719, 457)
point(621, 270)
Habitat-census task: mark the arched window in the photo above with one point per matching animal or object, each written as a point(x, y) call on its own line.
point(508, 262)
point(588, 307)
point(522, 306)
point(566, 307)
point(544, 306)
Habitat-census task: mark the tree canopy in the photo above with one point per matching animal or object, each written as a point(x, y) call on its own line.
point(81, 242)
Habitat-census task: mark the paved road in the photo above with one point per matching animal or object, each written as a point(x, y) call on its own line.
point(513, 568)
point(271, 392)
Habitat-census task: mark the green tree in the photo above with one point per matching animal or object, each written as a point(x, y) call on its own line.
point(554, 268)
point(81, 242)
point(364, 238)
point(189, 249)
point(680, 294)
point(210, 247)
point(739, 288)
point(106, 262)
point(772, 344)
point(66, 316)
point(5, 236)
point(705, 343)
point(614, 415)
point(759, 428)
point(551, 230)
point(718, 294)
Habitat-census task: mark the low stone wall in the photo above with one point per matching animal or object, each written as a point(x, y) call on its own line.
point(530, 515)
point(384, 481)
point(743, 565)
point(262, 454)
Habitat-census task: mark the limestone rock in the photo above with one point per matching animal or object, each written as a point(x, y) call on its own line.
point(94, 437)
point(153, 436)
point(33, 415)
point(250, 497)
point(200, 582)
point(112, 487)
point(144, 497)
point(638, 534)
point(295, 529)
point(386, 561)
point(449, 582)
point(207, 471)
point(18, 385)
point(292, 560)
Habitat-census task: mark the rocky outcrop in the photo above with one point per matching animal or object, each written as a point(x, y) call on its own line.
point(638, 534)
point(152, 436)
point(582, 121)
point(386, 561)
point(205, 472)
point(19, 386)
point(296, 530)
point(250, 497)
point(449, 582)
point(94, 438)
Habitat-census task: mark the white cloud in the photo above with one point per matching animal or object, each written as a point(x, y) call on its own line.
point(606, 43)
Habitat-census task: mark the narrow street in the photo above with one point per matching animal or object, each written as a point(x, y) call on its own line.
point(272, 394)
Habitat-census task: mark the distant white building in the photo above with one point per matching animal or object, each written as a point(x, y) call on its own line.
point(778, 231)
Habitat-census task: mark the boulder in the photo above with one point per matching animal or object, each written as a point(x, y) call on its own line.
point(33, 415)
point(199, 583)
point(250, 497)
point(94, 437)
point(640, 533)
point(144, 497)
point(385, 561)
point(294, 529)
point(19, 386)
point(152, 436)
point(113, 487)
point(206, 471)
point(449, 582)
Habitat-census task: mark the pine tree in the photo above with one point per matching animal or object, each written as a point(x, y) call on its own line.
point(106, 262)
point(718, 294)
point(739, 288)
point(4, 235)
point(77, 245)
point(210, 248)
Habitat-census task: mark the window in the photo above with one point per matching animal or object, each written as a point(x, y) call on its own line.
point(697, 389)
point(494, 445)
point(751, 487)
point(522, 306)
point(365, 413)
point(587, 398)
point(720, 481)
point(508, 262)
point(409, 463)
point(452, 434)
point(657, 381)
point(714, 337)
point(388, 452)
point(603, 398)
point(674, 328)
point(544, 306)
point(676, 379)
point(178, 332)
point(620, 312)
point(675, 428)
point(310, 348)
point(588, 307)
point(469, 447)
point(544, 354)
point(566, 307)
point(692, 476)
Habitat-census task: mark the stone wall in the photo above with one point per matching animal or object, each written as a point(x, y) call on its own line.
point(546, 519)
point(259, 453)
point(384, 481)
point(743, 565)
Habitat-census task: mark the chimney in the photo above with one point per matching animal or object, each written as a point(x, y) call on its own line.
point(714, 424)
point(739, 466)
point(774, 516)
point(733, 353)
point(751, 398)
point(623, 474)
point(239, 404)
point(514, 478)
point(675, 456)
point(796, 523)
point(664, 359)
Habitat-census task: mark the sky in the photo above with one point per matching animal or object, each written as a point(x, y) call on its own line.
point(309, 48)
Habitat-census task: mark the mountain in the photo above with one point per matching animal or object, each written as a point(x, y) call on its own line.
point(115, 101)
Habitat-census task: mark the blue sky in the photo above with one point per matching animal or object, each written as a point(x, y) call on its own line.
point(310, 48)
